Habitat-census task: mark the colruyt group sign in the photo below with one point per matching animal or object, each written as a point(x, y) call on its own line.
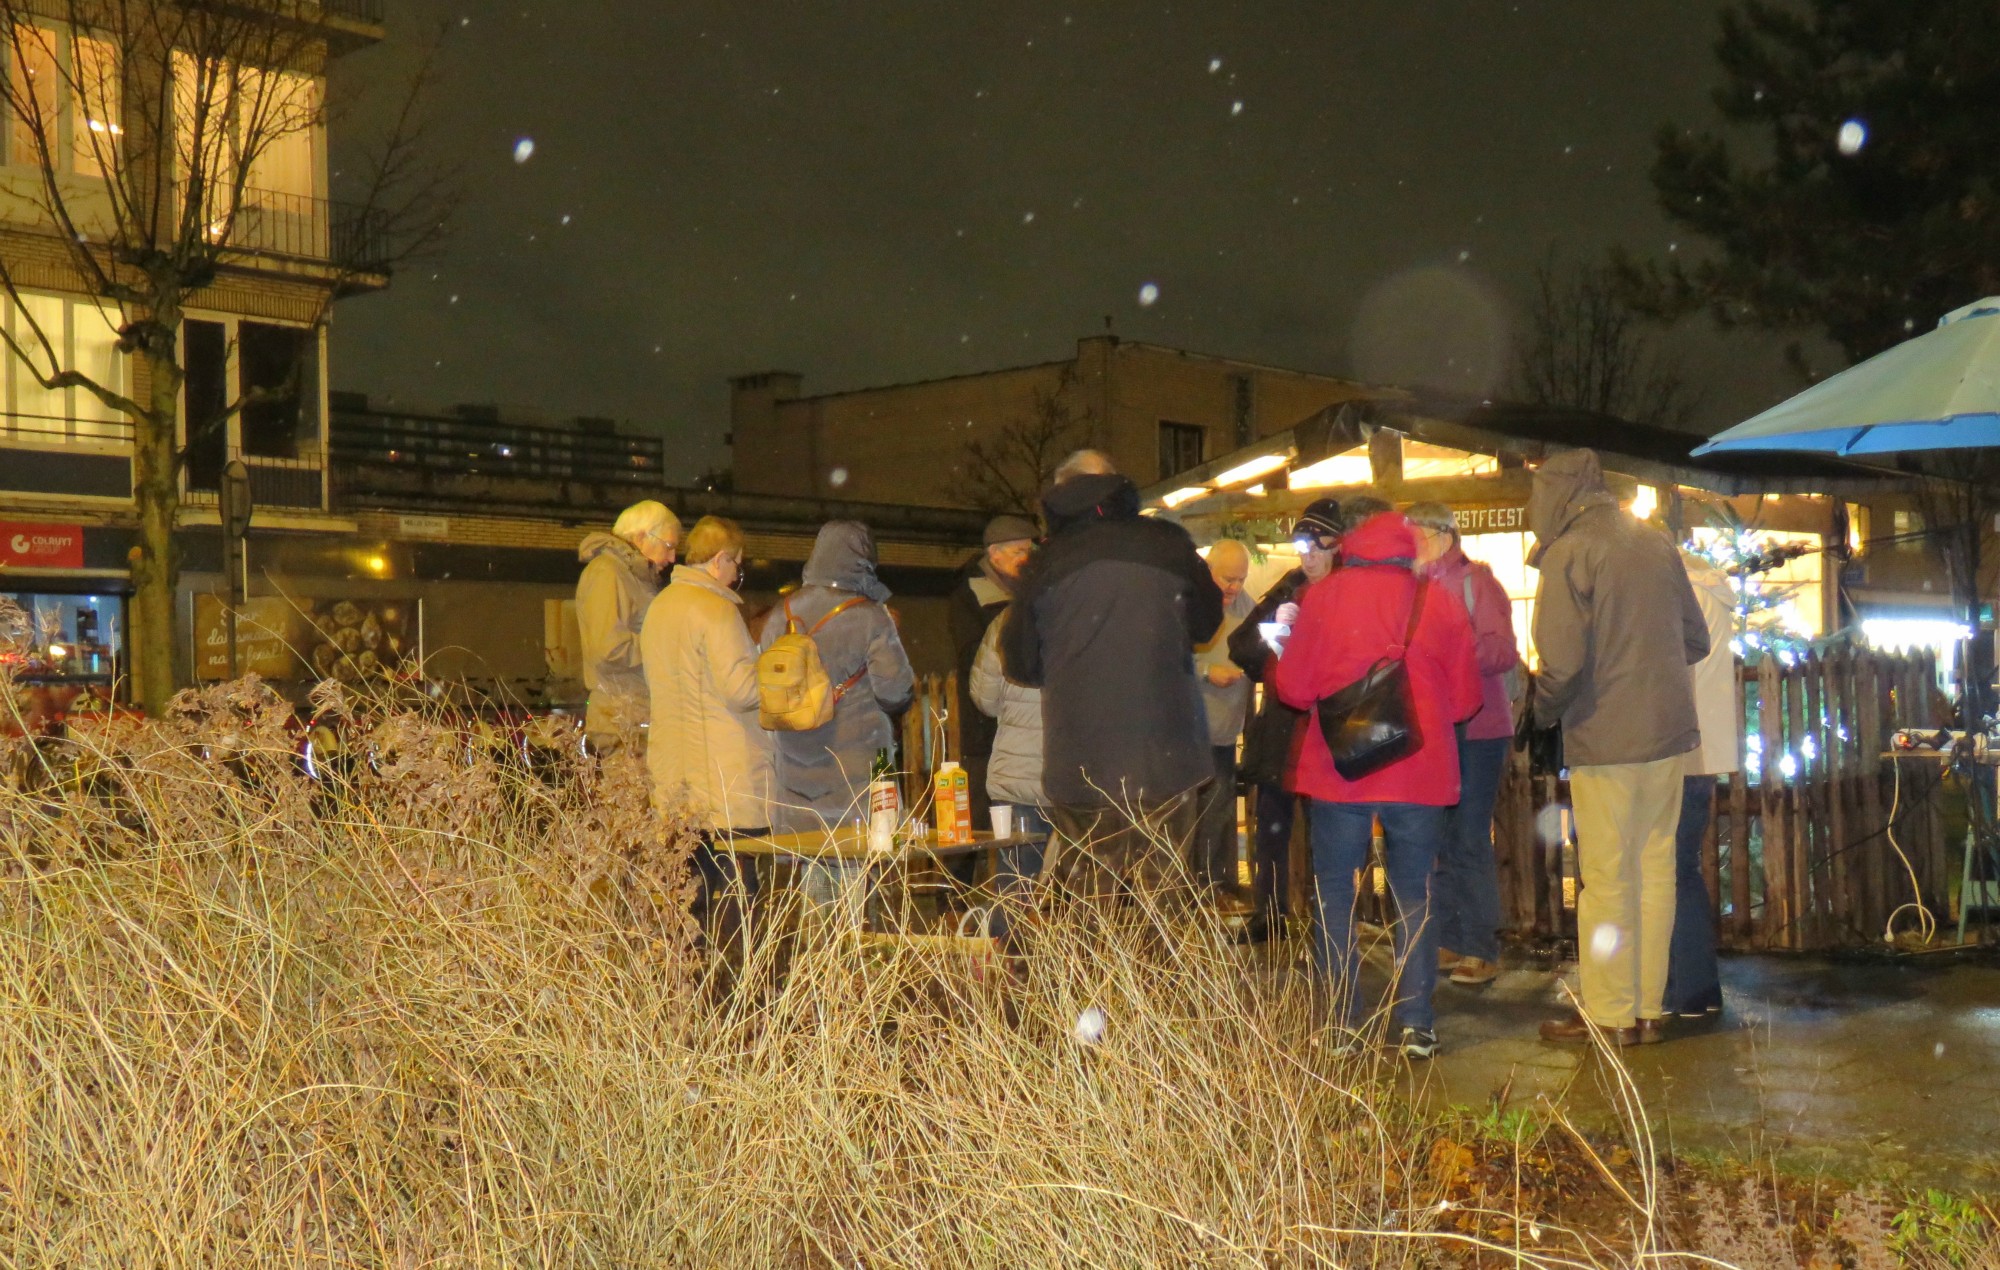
point(36, 546)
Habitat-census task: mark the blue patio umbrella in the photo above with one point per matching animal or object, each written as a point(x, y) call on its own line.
point(1940, 391)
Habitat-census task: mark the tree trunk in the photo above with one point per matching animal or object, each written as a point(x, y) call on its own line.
point(155, 563)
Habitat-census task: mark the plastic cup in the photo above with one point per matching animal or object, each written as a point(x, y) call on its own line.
point(1003, 820)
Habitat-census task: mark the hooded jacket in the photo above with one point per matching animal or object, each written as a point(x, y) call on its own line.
point(611, 598)
point(1353, 619)
point(707, 751)
point(1475, 587)
point(823, 774)
point(1616, 623)
point(1106, 624)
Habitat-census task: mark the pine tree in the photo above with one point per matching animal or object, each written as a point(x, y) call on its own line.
point(1864, 200)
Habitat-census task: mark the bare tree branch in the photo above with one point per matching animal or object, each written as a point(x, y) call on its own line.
point(1588, 349)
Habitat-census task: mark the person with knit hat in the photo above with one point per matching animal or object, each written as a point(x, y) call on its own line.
point(985, 587)
point(1271, 739)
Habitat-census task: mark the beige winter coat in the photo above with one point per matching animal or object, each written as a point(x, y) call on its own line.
point(706, 749)
point(611, 598)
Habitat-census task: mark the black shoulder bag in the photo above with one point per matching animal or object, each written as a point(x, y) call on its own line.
point(1372, 722)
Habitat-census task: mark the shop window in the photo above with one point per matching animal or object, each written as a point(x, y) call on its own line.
point(1909, 525)
point(1180, 447)
point(72, 639)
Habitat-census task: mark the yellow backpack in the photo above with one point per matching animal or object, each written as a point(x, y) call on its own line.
point(794, 692)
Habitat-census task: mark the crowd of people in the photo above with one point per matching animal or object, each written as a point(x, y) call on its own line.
point(1108, 673)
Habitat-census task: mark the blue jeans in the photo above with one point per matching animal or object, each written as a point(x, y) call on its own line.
point(1466, 891)
point(1694, 983)
point(1411, 834)
point(1271, 850)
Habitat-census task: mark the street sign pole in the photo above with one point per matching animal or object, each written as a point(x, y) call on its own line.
point(233, 504)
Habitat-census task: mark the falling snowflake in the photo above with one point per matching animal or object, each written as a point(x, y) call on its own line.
point(1148, 294)
point(1027, 218)
point(837, 477)
point(1853, 135)
point(1235, 107)
point(565, 219)
point(1464, 256)
point(524, 149)
point(1214, 65)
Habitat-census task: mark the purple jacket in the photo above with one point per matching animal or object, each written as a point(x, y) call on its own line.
point(1493, 638)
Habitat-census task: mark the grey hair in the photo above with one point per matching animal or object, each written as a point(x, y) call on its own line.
point(1084, 463)
point(1432, 516)
point(648, 518)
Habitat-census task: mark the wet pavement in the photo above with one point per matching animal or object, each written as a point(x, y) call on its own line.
point(1868, 1070)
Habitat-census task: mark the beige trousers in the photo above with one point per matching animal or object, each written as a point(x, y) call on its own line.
point(1626, 814)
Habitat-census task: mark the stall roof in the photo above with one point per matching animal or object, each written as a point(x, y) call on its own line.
point(1516, 433)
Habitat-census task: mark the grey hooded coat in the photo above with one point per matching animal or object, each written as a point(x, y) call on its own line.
point(1616, 623)
point(823, 774)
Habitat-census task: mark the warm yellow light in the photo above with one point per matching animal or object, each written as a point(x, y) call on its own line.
point(1185, 494)
point(1351, 468)
point(1255, 467)
point(377, 564)
point(1645, 502)
point(1256, 491)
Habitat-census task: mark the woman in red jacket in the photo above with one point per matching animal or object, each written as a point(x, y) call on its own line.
point(1346, 624)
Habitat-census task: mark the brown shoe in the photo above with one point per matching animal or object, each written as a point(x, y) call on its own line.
point(1575, 1029)
point(1447, 959)
point(1652, 1031)
point(1471, 972)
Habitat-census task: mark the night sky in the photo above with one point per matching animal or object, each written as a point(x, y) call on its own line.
point(872, 192)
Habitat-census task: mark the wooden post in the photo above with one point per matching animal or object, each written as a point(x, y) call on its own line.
point(1770, 787)
point(1872, 740)
point(1839, 734)
point(1814, 888)
point(1739, 828)
point(947, 699)
point(1798, 813)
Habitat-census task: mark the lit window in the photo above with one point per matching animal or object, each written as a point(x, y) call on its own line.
point(96, 107)
point(32, 72)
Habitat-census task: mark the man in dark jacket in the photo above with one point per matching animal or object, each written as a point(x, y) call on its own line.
point(1616, 625)
point(1106, 624)
point(985, 586)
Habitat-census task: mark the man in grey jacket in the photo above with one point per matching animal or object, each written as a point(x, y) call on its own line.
point(621, 574)
point(1617, 626)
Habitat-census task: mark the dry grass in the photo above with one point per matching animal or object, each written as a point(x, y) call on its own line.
point(443, 1010)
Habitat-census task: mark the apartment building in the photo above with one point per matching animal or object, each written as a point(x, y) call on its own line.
point(93, 143)
point(1157, 411)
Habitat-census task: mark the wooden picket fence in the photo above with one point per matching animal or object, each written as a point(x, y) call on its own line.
point(930, 735)
point(1798, 854)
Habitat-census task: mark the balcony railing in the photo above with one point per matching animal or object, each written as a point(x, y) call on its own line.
point(379, 452)
point(295, 484)
point(299, 227)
